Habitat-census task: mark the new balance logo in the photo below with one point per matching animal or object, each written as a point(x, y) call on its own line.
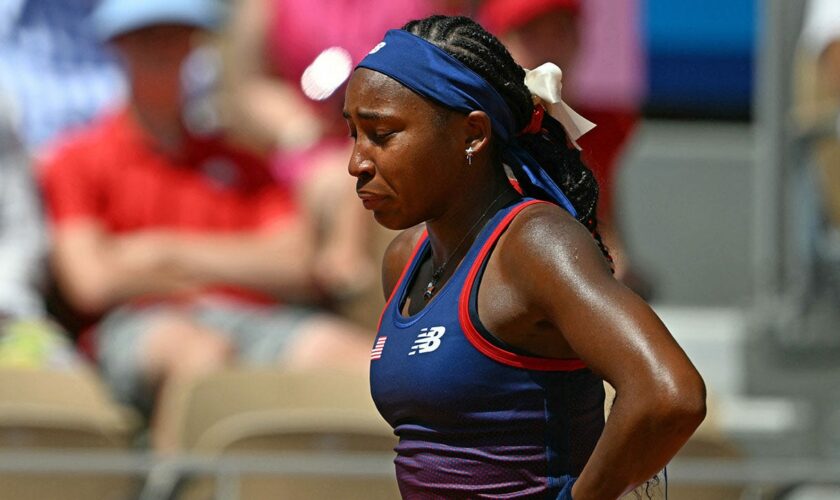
point(428, 340)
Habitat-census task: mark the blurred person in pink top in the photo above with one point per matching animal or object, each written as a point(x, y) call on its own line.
point(285, 66)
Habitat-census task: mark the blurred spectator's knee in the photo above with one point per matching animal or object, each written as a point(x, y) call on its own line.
point(177, 347)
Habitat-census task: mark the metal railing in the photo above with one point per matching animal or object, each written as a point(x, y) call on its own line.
point(161, 471)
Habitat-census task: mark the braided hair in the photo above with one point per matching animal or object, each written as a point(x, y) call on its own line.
point(473, 46)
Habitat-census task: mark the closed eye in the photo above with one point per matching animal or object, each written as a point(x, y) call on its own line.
point(380, 136)
point(351, 131)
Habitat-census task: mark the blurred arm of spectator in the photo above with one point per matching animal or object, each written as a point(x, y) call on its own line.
point(22, 233)
point(261, 109)
point(96, 272)
point(273, 259)
point(100, 270)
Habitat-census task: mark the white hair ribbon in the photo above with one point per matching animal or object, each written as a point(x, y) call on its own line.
point(546, 82)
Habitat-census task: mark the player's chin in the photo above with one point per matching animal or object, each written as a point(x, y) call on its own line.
point(393, 221)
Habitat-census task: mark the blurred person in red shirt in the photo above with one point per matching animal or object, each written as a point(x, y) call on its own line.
point(186, 245)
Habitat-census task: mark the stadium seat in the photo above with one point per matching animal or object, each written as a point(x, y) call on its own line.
point(264, 412)
point(61, 412)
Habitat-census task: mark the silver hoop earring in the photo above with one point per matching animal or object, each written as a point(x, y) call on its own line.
point(470, 152)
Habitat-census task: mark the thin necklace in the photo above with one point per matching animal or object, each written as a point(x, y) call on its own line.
point(430, 287)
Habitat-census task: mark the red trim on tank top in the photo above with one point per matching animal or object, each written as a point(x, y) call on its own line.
point(402, 275)
point(477, 340)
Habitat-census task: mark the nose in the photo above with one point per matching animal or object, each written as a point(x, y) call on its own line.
point(360, 166)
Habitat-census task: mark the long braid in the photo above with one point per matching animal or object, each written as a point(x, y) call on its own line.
point(482, 52)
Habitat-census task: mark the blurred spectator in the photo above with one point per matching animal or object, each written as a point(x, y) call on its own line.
point(288, 59)
point(27, 337)
point(56, 72)
point(23, 239)
point(818, 99)
point(184, 242)
point(285, 65)
point(597, 44)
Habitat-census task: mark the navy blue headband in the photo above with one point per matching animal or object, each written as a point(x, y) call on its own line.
point(433, 73)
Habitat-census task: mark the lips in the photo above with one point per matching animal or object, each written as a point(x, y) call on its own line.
point(370, 200)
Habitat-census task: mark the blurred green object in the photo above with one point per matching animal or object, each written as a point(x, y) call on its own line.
point(35, 343)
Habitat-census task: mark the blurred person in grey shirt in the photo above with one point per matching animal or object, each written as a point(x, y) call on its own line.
point(27, 337)
point(22, 232)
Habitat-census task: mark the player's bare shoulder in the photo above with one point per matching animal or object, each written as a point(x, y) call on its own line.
point(546, 238)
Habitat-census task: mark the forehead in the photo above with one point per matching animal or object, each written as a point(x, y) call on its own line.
point(161, 35)
point(371, 89)
point(157, 45)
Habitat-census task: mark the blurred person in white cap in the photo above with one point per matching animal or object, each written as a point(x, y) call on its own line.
point(186, 247)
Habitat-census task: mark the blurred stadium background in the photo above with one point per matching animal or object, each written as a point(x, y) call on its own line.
point(715, 207)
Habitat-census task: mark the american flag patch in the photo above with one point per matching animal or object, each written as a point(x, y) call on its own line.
point(376, 352)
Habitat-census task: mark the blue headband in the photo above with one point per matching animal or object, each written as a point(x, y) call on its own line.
point(433, 73)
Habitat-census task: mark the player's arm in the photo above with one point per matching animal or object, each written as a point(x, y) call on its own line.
point(660, 395)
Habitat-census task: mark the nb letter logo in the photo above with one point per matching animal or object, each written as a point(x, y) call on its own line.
point(428, 340)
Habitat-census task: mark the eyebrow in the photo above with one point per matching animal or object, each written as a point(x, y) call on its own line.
point(369, 115)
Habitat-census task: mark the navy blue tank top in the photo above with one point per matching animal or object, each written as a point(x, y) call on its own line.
point(475, 418)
